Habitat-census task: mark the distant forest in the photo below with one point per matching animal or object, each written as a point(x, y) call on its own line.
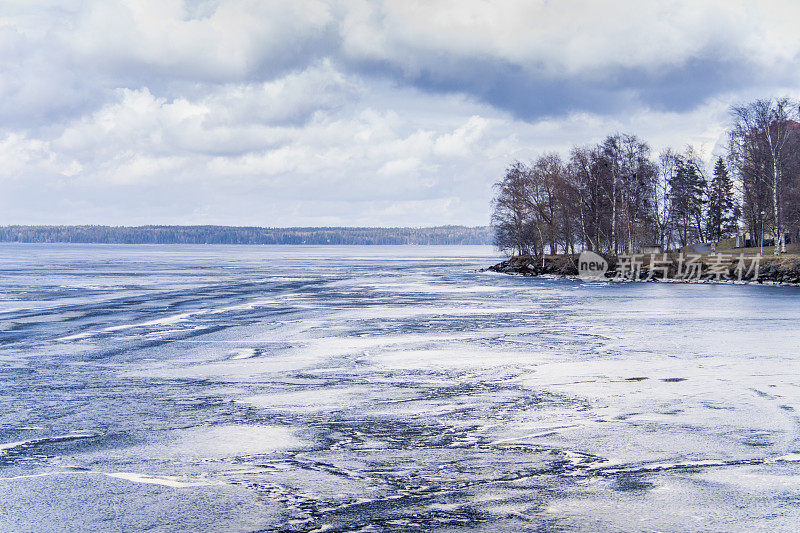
point(441, 235)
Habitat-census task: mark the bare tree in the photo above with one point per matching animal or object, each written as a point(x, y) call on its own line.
point(668, 162)
point(584, 177)
point(547, 188)
point(512, 208)
point(758, 139)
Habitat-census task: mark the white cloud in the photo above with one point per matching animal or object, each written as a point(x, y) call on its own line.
point(23, 158)
point(197, 163)
point(461, 142)
point(571, 36)
point(225, 41)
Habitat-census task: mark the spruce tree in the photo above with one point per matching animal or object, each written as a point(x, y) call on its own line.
point(697, 186)
point(688, 197)
point(720, 215)
point(729, 207)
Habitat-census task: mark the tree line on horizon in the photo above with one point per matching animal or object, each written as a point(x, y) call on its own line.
point(440, 235)
point(617, 196)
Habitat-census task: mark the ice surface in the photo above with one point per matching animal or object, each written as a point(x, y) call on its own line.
point(206, 388)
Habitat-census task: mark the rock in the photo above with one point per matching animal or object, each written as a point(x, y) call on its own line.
point(780, 270)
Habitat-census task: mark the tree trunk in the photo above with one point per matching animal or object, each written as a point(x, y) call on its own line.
point(614, 213)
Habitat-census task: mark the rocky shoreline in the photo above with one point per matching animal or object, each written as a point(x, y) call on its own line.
point(782, 270)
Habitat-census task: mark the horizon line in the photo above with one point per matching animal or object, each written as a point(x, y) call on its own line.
point(233, 226)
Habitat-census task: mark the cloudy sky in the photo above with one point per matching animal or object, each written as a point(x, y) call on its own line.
point(301, 112)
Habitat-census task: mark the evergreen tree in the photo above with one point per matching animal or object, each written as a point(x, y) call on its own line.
point(687, 194)
point(720, 215)
point(697, 197)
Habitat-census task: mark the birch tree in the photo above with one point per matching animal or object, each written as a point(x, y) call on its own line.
point(758, 140)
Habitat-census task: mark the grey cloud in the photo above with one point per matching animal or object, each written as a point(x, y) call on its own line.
point(78, 55)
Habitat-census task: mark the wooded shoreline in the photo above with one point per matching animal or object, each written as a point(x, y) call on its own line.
point(618, 195)
point(209, 234)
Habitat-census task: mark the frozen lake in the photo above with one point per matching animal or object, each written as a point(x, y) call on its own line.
point(247, 388)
